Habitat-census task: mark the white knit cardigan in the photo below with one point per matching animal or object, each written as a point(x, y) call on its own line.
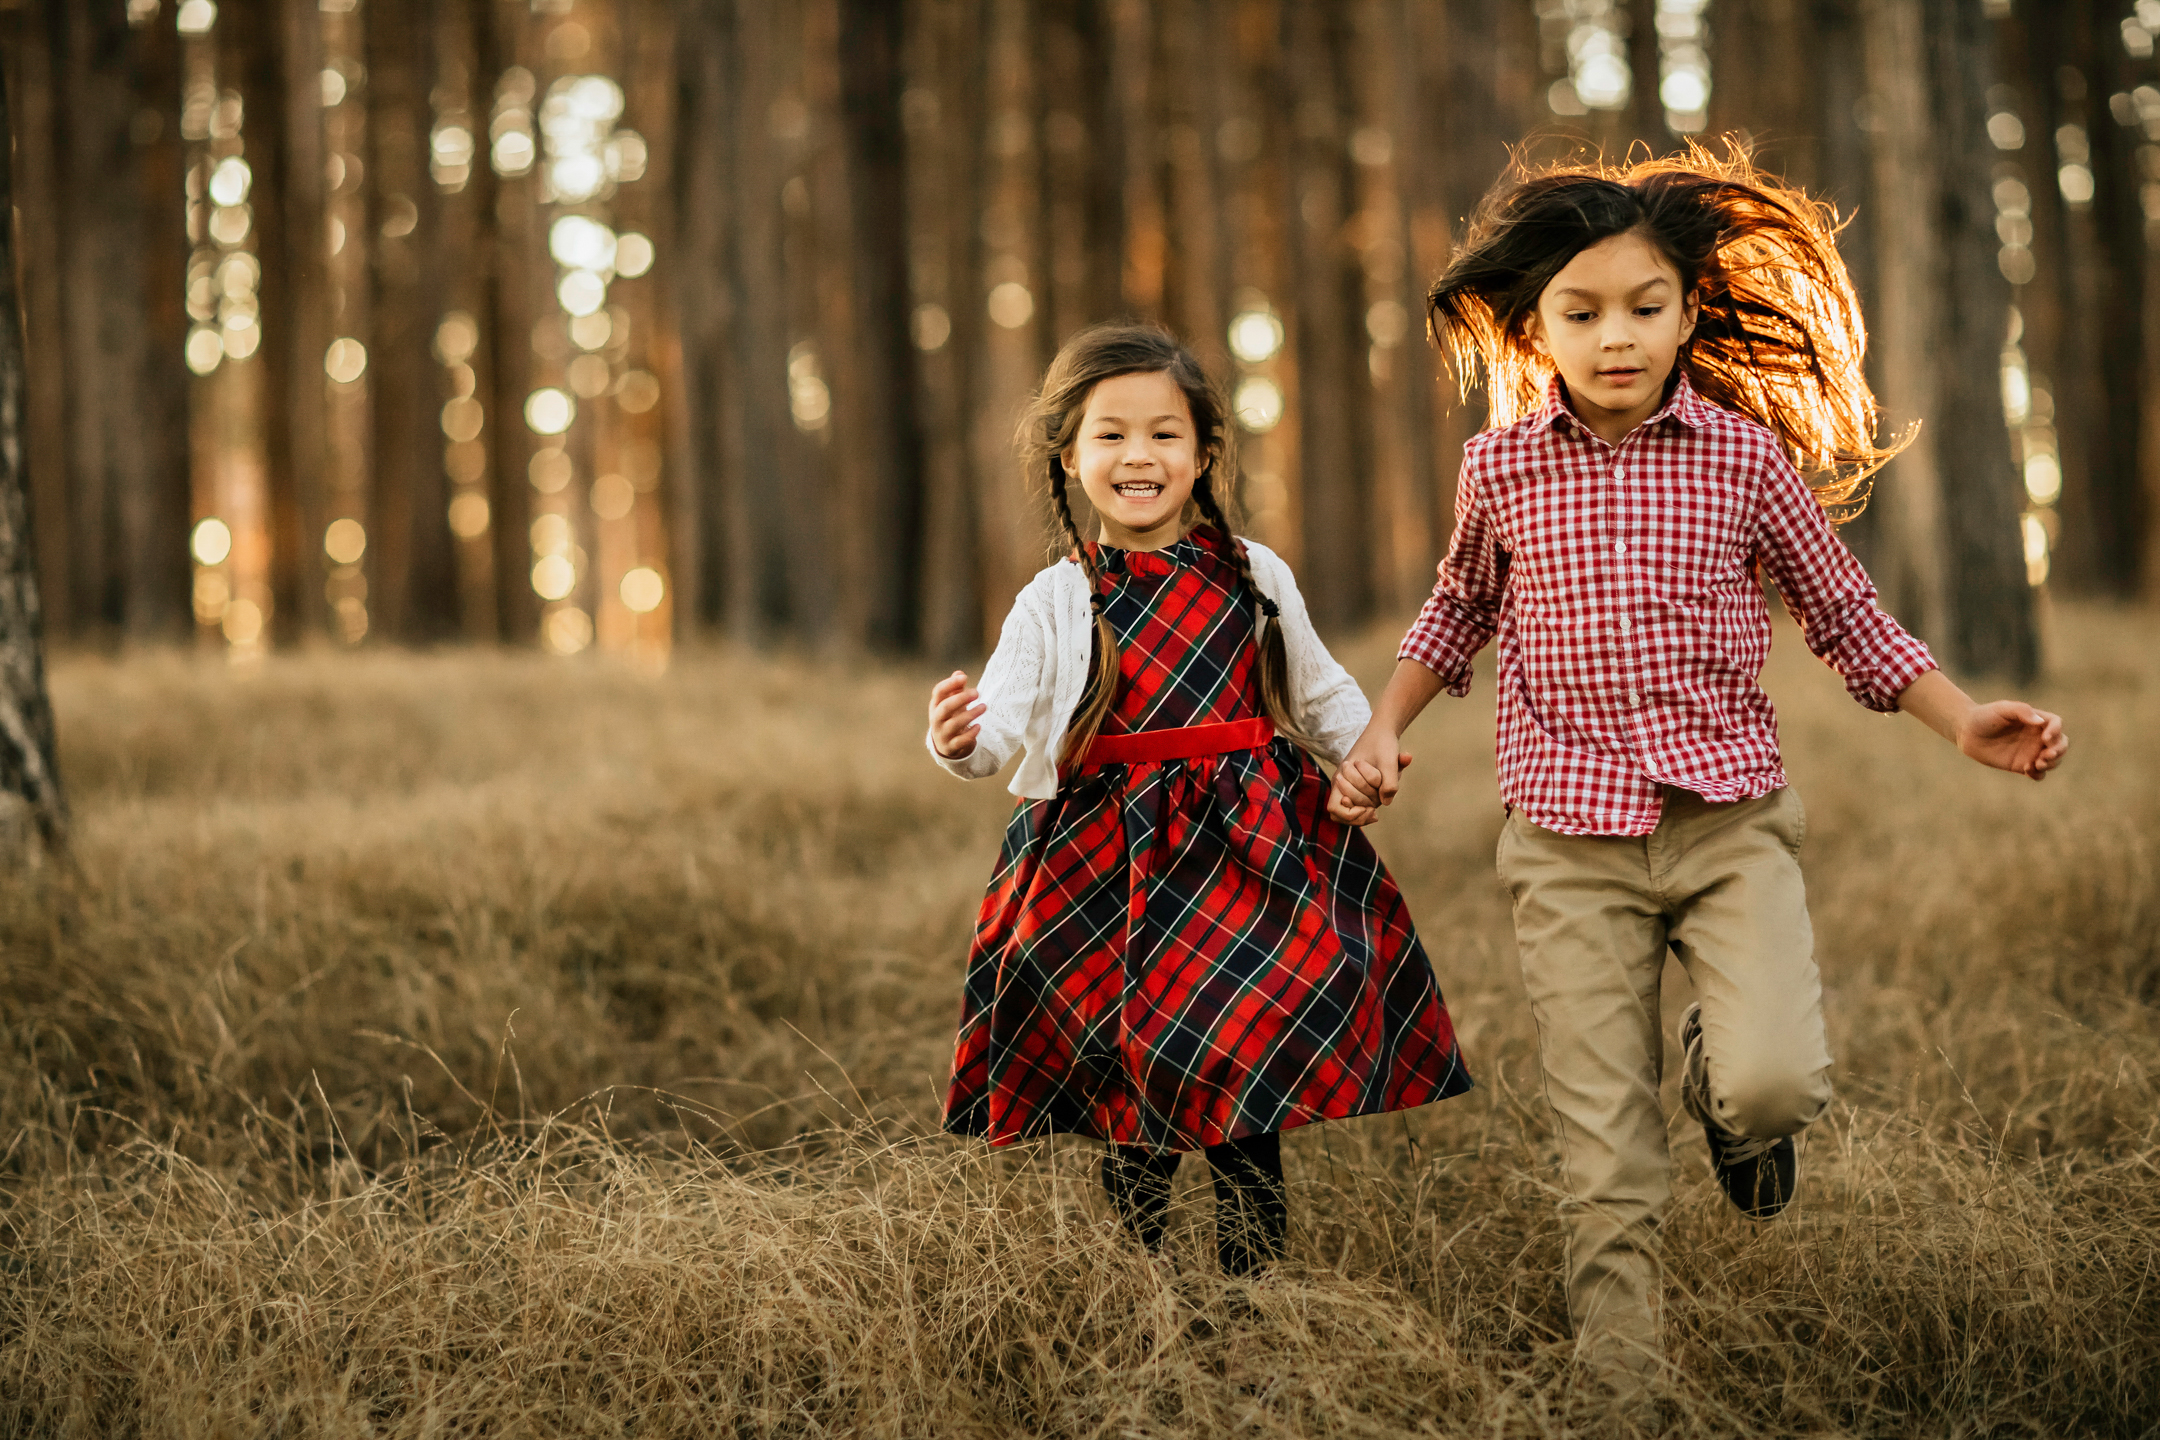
point(1034, 679)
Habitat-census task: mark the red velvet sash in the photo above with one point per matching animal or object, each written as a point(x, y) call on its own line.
point(1187, 742)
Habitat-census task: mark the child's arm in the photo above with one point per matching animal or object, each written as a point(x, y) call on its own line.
point(974, 732)
point(1457, 621)
point(2007, 734)
point(1884, 667)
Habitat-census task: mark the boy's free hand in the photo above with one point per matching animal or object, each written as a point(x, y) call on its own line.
point(1368, 778)
point(2007, 734)
point(955, 716)
point(2011, 735)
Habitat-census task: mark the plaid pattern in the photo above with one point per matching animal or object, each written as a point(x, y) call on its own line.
point(1621, 583)
point(1180, 954)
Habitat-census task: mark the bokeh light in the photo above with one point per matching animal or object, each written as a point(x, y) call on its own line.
point(205, 348)
point(553, 577)
point(468, 515)
point(549, 411)
point(211, 542)
point(1258, 404)
point(1256, 336)
point(1011, 306)
point(633, 254)
point(345, 361)
point(612, 497)
point(581, 292)
point(345, 541)
point(642, 589)
point(580, 242)
point(932, 327)
point(567, 631)
point(637, 392)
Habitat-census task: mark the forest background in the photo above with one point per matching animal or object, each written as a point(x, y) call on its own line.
point(498, 475)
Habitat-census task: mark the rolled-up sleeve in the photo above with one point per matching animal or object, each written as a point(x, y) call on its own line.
point(1830, 594)
point(1459, 618)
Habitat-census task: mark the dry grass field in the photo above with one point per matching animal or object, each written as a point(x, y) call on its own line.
point(470, 1044)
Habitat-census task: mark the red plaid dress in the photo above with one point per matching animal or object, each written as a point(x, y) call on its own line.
point(1178, 954)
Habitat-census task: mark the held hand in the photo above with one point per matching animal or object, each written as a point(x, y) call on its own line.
point(1367, 779)
point(955, 716)
point(2011, 735)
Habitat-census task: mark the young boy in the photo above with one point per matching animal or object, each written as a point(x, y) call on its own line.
point(1610, 538)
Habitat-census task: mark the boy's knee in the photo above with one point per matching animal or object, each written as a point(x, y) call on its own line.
point(1768, 1101)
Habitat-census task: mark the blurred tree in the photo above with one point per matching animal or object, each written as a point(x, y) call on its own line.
point(887, 408)
point(412, 586)
point(28, 770)
point(275, 53)
point(1951, 556)
point(123, 276)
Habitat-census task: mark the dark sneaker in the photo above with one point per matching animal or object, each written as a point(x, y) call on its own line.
point(1759, 1176)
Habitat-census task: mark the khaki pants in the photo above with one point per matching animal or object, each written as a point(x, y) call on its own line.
point(1594, 914)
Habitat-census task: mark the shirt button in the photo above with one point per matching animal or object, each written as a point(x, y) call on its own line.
point(1633, 698)
point(1620, 548)
point(1623, 627)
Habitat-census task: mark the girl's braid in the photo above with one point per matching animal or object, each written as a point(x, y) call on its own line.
point(1071, 527)
point(1233, 548)
point(1102, 686)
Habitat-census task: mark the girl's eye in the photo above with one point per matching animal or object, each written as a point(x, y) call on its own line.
point(1579, 317)
point(1648, 310)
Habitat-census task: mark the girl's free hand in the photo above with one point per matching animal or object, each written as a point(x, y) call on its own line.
point(955, 716)
point(2011, 735)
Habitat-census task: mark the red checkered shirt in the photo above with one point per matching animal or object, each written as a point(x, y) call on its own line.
point(1621, 583)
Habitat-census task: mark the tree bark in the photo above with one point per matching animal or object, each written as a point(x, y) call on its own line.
point(413, 588)
point(887, 400)
point(1952, 550)
point(278, 54)
point(29, 770)
point(125, 269)
point(1334, 403)
point(32, 54)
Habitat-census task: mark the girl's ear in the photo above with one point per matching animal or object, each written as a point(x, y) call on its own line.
point(1533, 330)
point(1690, 311)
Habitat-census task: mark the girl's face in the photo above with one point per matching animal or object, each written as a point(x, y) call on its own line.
point(1137, 454)
point(1613, 322)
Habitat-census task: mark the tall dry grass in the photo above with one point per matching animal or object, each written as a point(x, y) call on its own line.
point(477, 1045)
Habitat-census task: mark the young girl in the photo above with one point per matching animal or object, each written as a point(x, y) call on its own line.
point(1660, 345)
point(1179, 950)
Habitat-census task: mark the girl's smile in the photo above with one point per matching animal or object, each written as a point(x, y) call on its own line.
point(1137, 456)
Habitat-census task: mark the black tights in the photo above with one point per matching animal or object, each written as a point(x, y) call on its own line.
point(1252, 1209)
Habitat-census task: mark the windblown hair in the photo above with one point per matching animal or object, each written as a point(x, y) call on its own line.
point(1049, 429)
point(1778, 337)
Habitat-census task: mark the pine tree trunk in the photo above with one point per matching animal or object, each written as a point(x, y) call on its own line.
point(278, 54)
point(1334, 402)
point(518, 279)
point(32, 54)
point(1951, 551)
point(29, 772)
point(2104, 502)
point(413, 585)
point(695, 268)
point(124, 272)
point(887, 399)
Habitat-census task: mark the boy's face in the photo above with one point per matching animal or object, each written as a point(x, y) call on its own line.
point(1613, 321)
point(1136, 457)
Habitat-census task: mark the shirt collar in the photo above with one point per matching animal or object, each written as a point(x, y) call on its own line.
point(1683, 405)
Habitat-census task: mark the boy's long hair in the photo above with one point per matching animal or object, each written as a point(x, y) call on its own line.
point(1051, 426)
point(1778, 337)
